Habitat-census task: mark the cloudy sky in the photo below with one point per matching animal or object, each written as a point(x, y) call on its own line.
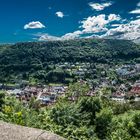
point(42, 20)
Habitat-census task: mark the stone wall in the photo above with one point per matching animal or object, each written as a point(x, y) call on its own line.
point(15, 132)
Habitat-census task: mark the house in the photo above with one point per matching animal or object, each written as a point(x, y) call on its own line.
point(123, 88)
point(11, 86)
point(135, 91)
point(79, 72)
point(114, 82)
point(57, 89)
point(1, 86)
point(137, 99)
point(137, 67)
point(46, 98)
point(120, 97)
point(91, 93)
point(127, 71)
point(46, 94)
point(14, 92)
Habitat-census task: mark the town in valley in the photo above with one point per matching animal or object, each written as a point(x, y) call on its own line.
point(120, 83)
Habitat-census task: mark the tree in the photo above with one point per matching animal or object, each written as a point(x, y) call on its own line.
point(2, 99)
point(77, 90)
point(91, 106)
point(103, 123)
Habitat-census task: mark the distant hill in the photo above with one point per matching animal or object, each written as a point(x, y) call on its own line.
point(72, 50)
point(33, 56)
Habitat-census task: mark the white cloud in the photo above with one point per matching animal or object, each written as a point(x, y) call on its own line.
point(47, 37)
point(114, 17)
point(95, 24)
point(138, 4)
point(138, 17)
point(115, 25)
point(136, 11)
point(99, 6)
point(129, 31)
point(60, 14)
point(73, 35)
point(34, 25)
point(98, 23)
point(68, 36)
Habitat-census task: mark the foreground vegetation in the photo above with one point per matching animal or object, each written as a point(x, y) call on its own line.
point(86, 118)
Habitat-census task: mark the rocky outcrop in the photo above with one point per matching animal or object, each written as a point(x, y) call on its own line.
point(15, 132)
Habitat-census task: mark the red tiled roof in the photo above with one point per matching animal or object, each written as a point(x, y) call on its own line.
point(118, 94)
point(135, 89)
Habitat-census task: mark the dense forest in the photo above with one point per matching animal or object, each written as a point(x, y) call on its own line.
point(99, 50)
point(26, 59)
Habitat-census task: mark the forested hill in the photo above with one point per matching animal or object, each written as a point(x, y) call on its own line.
point(28, 58)
point(73, 50)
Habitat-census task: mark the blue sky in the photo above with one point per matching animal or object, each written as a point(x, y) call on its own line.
point(42, 20)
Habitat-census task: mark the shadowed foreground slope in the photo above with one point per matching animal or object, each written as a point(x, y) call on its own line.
point(15, 132)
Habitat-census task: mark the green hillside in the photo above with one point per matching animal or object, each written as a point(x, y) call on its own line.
point(23, 58)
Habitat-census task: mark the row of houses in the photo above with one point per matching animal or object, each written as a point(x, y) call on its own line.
point(127, 71)
point(122, 95)
point(46, 95)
